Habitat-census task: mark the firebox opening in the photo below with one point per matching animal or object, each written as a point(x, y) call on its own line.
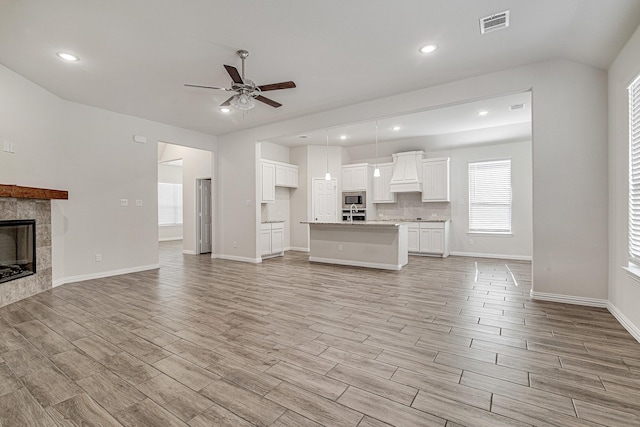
point(17, 249)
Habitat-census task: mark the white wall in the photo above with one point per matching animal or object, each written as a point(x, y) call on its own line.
point(569, 166)
point(624, 291)
point(299, 232)
point(90, 153)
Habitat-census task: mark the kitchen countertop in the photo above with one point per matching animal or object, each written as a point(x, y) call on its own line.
point(273, 221)
point(366, 223)
point(417, 220)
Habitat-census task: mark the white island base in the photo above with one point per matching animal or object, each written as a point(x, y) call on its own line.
point(371, 244)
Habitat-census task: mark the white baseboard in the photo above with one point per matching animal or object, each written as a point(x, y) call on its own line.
point(297, 249)
point(169, 239)
point(570, 299)
point(102, 274)
point(498, 256)
point(240, 258)
point(188, 252)
point(356, 263)
point(630, 327)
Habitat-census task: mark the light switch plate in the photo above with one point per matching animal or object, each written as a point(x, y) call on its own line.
point(138, 202)
point(124, 202)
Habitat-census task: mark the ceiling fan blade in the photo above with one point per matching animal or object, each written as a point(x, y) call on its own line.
point(235, 75)
point(227, 102)
point(268, 101)
point(276, 86)
point(207, 87)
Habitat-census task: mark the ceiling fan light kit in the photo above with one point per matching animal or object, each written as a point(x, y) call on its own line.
point(246, 90)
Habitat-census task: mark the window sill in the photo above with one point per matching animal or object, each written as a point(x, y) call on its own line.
point(496, 234)
point(633, 271)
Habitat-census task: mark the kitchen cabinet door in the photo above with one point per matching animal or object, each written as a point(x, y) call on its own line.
point(286, 175)
point(265, 239)
point(435, 180)
point(277, 239)
point(382, 185)
point(354, 178)
point(413, 237)
point(268, 182)
point(292, 177)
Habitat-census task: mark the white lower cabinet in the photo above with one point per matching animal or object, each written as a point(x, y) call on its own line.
point(431, 238)
point(271, 239)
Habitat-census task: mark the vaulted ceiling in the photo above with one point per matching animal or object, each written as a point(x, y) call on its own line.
point(135, 55)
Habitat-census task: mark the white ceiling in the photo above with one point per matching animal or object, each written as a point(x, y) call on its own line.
point(451, 126)
point(137, 54)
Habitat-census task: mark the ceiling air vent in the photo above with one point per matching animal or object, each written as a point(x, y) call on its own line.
point(494, 22)
point(515, 107)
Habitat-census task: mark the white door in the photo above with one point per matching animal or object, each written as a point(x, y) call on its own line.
point(204, 207)
point(324, 200)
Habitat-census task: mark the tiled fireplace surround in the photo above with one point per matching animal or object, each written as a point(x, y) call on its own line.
point(39, 208)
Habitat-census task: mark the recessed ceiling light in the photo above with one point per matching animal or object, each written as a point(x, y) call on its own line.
point(396, 128)
point(225, 109)
point(483, 112)
point(67, 56)
point(343, 137)
point(428, 48)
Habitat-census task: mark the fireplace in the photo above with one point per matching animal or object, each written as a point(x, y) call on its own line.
point(17, 249)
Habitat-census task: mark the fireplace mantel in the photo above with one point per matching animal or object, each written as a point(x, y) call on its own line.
point(18, 192)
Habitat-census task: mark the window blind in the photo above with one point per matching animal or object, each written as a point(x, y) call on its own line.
point(634, 171)
point(490, 196)
point(169, 204)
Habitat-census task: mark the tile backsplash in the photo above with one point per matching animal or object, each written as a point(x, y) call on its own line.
point(410, 206)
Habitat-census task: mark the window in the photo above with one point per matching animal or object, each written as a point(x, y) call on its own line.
point(169, 204)
point(634, 171)
point(490, 197)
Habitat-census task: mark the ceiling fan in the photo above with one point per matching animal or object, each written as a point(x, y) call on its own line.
point(246, 90)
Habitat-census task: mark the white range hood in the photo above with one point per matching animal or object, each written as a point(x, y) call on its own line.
point(407, 172)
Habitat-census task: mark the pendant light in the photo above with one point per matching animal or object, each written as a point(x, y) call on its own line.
point(327, 176)
point(376, 171)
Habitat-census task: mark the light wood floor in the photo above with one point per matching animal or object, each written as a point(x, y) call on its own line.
point(204, 342)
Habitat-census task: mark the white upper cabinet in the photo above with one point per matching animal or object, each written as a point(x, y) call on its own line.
point(382, 185)
point(276, 174)
point(268, 182)
point(286, 175)
point(354, 177)
point(435, 180)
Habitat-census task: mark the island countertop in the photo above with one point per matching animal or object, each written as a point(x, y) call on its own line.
point(349, 223)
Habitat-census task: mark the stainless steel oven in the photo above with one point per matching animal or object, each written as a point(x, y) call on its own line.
point(358, 198)
point(360, 215)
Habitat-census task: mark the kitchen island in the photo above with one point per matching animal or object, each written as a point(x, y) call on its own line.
point(372, 244)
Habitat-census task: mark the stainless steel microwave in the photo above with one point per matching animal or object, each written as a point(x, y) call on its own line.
point(358, 198)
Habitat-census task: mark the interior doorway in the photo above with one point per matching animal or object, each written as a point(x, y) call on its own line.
point(195, 166)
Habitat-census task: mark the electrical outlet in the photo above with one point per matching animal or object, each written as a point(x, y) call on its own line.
point(235, 244)
point(471, 241)
point(340, 247)
point(138, 203)
point(124, 202)
point(7, 147)
point(98, 257)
